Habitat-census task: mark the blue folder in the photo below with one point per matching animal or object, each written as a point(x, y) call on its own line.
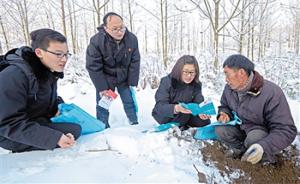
point(202, 108)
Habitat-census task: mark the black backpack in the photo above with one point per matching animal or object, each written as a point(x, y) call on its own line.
point(3, 62)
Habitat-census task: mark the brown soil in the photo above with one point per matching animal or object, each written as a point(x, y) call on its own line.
point(287, 169)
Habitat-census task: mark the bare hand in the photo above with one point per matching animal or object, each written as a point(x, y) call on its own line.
point(70, 136)
point(224, 118)
point(204, 116)
point(66, 141)
point(57, 113)
point(180, 109)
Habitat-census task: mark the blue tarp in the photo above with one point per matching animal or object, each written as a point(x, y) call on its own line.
point(71, 113)
point(208, 131)
point(162, 127)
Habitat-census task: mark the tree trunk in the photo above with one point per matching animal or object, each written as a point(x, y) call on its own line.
point(249, 34)
point(72, 27)
point(26, 22)
point(146, 40)
point(63, 17)
point(166, 34)
point(130, 16)
point(241, 39)
point(216, 37)
point(163, 32)
point(297, 36)
point(4, 34)
point(22, 9)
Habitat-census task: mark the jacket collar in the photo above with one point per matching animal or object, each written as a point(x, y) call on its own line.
point(39, 70)
point(256, 84)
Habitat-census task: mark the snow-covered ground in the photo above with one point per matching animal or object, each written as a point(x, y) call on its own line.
point(119, 154)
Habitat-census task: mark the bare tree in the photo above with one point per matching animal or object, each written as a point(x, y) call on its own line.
point(295, 10)
point(18, 11)
point(164, 30)
point(265, 26)
point(95, 6)
point(130, 15)
point(73, 30)
point(4, 34)
point(212, 11)
point(63, 16)
point(163, 22)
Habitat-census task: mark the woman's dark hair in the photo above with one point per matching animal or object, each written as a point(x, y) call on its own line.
point(238, 61)
point(108, 15)
point(40, 38)
point(184, 60)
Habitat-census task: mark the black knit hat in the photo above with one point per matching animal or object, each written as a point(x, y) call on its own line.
point(239, 61)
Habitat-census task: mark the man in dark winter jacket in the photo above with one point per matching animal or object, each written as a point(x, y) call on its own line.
point(113, 61)
point(28, 95)
point(267, 124)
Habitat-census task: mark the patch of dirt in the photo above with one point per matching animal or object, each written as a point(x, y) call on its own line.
point(287, 169)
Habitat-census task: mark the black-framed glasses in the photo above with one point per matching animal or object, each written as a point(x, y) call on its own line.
point(116, 30)
point(186, 73)
point(59, 55)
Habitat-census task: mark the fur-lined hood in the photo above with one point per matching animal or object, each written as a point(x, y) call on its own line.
point(30, 64)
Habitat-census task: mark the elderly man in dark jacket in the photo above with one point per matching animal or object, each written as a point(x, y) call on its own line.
point(113, 61)
point(28, 95)
point(267, 124)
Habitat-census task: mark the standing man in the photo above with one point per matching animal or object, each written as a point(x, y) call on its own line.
point(28, 95)
point(267, 124)
point(113, 61)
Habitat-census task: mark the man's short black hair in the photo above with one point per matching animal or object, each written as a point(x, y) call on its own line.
point(40, 38)
point(239, 61)
point(109, 14)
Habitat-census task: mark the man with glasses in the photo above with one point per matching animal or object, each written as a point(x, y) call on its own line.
point(113, 61)
point(28, 95)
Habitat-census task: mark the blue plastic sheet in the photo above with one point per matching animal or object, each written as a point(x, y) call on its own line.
point(71, 113)
point(208, 131)
point(162, 127)
point(202, 108)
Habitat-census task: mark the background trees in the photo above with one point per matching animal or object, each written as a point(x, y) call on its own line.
point(209, 29)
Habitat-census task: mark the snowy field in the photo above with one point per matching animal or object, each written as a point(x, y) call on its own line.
point(120, 154)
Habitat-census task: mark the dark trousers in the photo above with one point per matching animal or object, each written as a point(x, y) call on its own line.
point(65, 128)
point(128, 105)
point(236, 138)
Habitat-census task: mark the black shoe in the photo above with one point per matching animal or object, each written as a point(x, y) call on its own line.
point(268, 162)
point(134, 123)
